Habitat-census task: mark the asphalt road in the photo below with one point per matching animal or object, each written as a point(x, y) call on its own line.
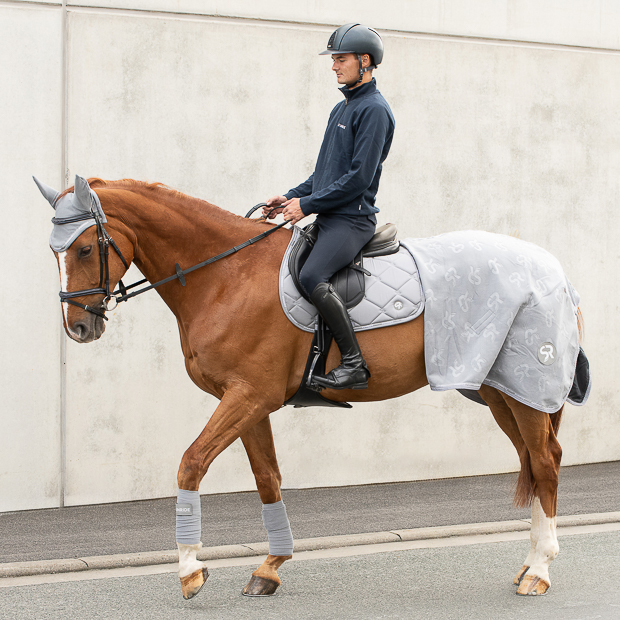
point(453, 582)
point(235, 518)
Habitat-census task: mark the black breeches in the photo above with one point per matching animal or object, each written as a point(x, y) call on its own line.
point(340, 239)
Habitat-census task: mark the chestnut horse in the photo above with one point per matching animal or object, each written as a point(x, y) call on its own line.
point(253, 369)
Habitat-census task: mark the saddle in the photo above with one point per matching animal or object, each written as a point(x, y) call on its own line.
point(349, 283)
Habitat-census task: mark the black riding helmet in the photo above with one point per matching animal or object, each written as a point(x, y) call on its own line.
point(356, 39)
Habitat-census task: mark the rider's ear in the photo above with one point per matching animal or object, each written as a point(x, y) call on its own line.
point(82, 192)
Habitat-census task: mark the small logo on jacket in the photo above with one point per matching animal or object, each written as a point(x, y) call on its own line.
point(342, 126)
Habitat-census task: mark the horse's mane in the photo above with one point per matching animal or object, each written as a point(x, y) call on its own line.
point(173, 196)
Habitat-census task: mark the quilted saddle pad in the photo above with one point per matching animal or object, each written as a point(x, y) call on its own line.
point(393, 293)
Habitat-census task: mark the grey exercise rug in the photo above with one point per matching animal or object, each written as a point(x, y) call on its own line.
point(393, 293)
point(498, 311)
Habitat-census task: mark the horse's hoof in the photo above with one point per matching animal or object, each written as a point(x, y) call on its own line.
point(533, 586)
point(259, 586)
point(519, 578)
point(192, 584)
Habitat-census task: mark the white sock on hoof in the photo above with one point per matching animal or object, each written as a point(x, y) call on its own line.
point(547, 545)
point(188, 563)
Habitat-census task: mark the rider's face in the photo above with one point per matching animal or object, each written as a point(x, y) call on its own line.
point(347, 68)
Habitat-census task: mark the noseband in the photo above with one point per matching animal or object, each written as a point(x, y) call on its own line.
point(104, 240)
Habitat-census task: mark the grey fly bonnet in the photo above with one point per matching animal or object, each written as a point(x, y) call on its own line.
point(75, 211)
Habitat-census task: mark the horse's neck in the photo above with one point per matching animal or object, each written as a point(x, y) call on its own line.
point(169, 230)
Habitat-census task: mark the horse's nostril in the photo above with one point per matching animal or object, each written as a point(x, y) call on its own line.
point(81, 330)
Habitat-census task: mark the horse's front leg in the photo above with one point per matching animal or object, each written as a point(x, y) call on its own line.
point(258, 442)
point(238, 411)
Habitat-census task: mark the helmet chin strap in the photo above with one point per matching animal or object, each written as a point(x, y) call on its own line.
point(362, 69)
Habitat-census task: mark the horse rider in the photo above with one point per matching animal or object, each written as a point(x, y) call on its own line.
point(342, 190)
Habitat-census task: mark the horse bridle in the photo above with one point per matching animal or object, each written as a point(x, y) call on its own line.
point(104, 240)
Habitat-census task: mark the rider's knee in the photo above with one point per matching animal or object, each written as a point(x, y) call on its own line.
point(308, 280)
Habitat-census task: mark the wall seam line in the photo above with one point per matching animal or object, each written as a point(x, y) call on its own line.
point(63, 335)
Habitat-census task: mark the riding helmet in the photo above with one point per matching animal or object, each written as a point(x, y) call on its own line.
point(356, 39)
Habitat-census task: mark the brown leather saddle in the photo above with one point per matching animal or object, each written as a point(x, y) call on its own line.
point(349, 281)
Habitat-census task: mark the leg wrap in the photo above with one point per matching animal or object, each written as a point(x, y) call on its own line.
point(188, 517)
point(278, 529)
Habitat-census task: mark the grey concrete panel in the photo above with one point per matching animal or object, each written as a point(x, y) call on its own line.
point(512, 152)
point(30, 126)
point(590, 23)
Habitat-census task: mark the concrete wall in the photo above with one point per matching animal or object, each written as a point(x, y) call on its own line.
point(506, 120)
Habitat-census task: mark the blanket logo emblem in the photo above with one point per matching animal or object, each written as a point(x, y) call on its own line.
point(546, 354)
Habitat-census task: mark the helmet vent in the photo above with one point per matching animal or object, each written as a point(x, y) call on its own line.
point(330, 43)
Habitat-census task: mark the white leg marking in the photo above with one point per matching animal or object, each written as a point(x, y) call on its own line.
point(534, 532)
point(64, 282)
point(547, 545)
point(188, 563)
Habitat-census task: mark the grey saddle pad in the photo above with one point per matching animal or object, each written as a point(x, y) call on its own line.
point(393, 293)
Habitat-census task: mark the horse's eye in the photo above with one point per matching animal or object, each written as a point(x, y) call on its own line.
point(85, 251)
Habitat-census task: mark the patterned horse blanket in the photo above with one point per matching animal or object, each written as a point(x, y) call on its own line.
point(498, 311)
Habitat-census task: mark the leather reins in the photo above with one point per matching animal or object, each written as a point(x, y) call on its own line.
point(104, 240)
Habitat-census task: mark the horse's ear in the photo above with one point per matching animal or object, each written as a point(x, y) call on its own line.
point(82, 192)
point(50, 194)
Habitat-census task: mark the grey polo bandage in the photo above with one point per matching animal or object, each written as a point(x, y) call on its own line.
point(188, 517)
point(278, 529)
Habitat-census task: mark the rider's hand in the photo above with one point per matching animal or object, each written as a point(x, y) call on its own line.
point(275, 201)
point(292, 211)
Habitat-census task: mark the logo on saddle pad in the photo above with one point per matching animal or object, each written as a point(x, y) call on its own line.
point(184, 509)
point(546, 354)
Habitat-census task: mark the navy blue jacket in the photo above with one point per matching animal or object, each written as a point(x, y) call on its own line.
point(357, 141)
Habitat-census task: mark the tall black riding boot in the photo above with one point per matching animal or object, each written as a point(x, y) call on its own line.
point(352, 372)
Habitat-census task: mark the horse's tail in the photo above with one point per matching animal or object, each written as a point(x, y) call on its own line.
point(581, 325)
point(526, 485)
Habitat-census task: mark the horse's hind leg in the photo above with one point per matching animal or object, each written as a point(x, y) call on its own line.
point(258, 442)
point(538, 431)
point(506, 421)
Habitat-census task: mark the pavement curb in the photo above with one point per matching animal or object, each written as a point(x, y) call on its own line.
point(149, 558)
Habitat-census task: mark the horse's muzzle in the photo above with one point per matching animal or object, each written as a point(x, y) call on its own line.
point(87, 328)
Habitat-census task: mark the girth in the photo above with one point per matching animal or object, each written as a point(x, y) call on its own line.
point(349, 281)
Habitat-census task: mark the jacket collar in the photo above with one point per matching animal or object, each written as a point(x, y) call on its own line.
point(361, 91)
